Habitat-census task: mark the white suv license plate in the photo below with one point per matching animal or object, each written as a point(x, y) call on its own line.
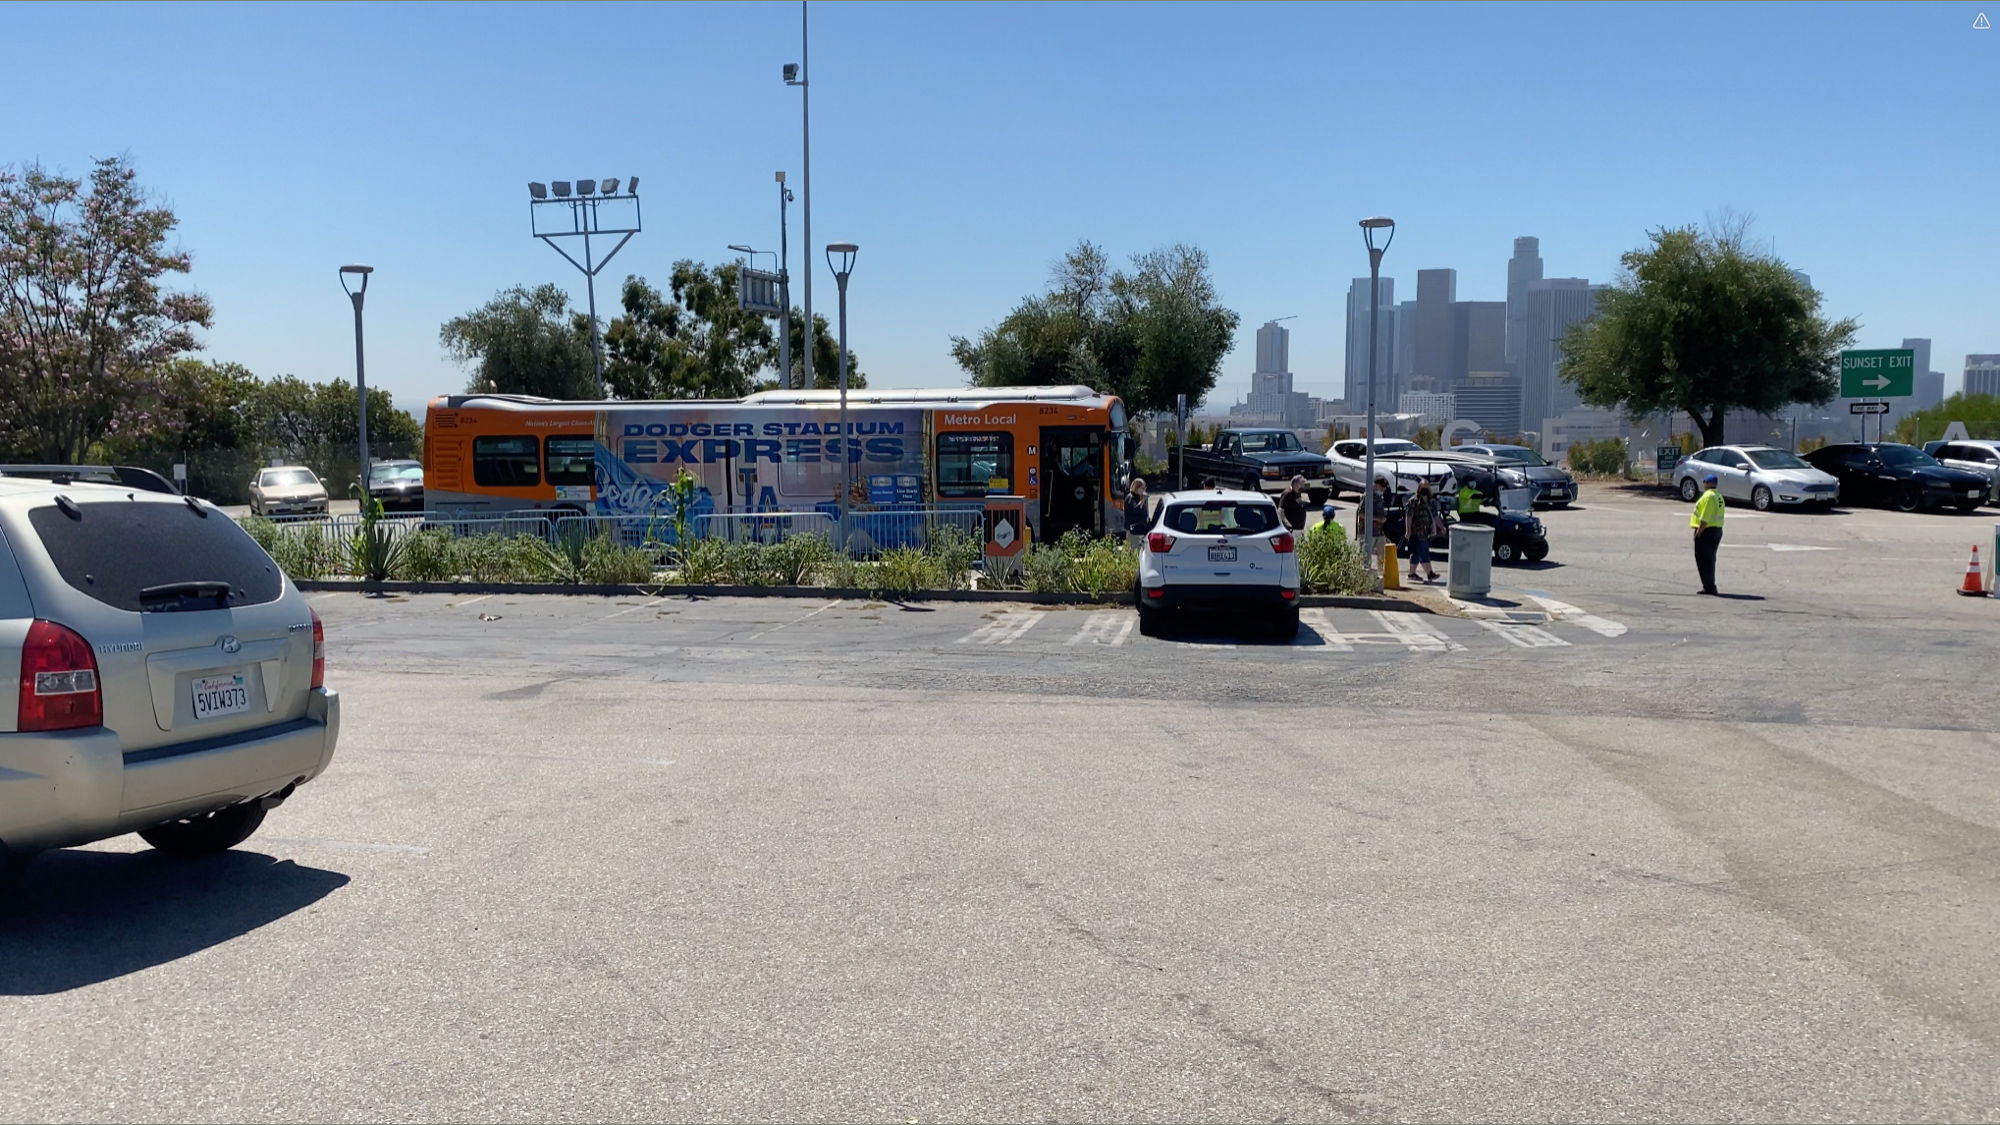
point(1221, 554)
point(217, 696)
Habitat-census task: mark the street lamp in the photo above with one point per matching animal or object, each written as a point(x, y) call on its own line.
point(1368, 228)
point(795, 75)
point(360, 372)
point(845, 266)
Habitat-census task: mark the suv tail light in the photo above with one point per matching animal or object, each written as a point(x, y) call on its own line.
point(319, 650)
point(1284, 544)
point(1159, 542)
point(59, 689)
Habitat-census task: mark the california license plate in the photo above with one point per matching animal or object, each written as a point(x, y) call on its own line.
point(216, 696)
point(1222, 554)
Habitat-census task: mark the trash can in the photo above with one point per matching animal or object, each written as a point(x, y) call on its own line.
point(1471, 572)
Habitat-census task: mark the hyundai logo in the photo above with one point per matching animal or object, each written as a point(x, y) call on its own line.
point(229, 644)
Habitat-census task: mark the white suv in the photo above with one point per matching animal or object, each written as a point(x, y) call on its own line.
point(1218, 548)
point(170, 678)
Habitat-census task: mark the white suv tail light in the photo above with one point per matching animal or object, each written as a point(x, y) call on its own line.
point(319, 650)
point(59, 689)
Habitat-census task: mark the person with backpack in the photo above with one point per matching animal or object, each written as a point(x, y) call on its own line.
point(1420, 522)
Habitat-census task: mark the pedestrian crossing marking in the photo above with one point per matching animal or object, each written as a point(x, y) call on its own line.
point(1105, 629)
point(1004, 629)
point(1415, 633)
point(1315, 619)
point(1523, 636)
point(1565, 612)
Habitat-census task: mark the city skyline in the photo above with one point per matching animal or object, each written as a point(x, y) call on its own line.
point(293, 139)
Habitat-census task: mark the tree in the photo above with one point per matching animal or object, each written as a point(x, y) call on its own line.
point(85, 326)
point(691, 342)
point(1146, 335)
point(826, 357)
point(1979, 413)
point(1703, 325)
point(526, 342)
point(194, 404)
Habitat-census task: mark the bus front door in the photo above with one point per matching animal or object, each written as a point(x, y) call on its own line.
point(1072, 466)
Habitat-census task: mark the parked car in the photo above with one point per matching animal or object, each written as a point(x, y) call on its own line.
point(1554, 487)
point(398, 485)
point(171, 679)
point(287, 490)
point(1349, 458)
point(1758, 475)
point(1259, 460)
point(1221, 548)
point(1974, 456)
point(1902, 476)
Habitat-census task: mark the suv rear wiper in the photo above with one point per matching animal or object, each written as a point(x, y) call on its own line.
point(185, 595)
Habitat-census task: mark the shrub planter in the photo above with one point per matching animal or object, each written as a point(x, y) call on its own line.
point(1020, 597)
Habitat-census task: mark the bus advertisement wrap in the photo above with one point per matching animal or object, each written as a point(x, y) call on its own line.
point(763, 459)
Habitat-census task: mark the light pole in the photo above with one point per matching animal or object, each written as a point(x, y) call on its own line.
point(583, 206)
point(795, 75)
point(1368, 229)
point(785, 290)
point(360, 372)
point(841, 269)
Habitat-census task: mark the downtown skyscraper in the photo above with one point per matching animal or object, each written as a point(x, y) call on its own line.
point(1355, 388)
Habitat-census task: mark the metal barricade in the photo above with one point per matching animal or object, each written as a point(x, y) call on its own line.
point(626, 531)
point(762, 527)
point(872, 530)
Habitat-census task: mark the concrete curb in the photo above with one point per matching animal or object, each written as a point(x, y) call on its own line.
point(1019, 597)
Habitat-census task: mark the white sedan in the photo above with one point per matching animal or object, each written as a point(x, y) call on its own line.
point(1224, 548)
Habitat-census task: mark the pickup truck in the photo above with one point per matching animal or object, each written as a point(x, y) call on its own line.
point(1254, 460)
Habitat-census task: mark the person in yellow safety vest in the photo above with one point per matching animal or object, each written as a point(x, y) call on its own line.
point(1468, 500)
point(1707, 524)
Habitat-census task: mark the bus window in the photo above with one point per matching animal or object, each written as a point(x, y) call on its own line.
point(506, 462)
point(571, 459)
point(968, 465)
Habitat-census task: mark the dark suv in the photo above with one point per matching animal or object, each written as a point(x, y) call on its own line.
point(1902, 476)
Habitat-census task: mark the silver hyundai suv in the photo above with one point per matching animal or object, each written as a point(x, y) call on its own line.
point(170, 678)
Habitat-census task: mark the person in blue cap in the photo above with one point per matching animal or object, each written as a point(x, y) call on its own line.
point(1707, 524)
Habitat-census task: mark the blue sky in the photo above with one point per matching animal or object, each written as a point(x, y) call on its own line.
point(965, 146)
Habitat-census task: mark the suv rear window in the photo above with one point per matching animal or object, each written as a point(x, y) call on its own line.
point(113, 551)
point(1221, 517)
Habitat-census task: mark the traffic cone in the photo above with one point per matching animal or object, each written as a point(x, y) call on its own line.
point(1974, 585)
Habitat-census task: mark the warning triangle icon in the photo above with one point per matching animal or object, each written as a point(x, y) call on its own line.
point(1979, 22)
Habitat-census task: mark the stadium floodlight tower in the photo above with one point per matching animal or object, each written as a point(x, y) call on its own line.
point(586, 202)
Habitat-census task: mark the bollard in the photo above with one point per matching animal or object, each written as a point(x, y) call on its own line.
point(1392, 579)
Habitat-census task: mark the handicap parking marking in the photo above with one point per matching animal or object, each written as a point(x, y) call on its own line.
point(1105, 629)
point(1004, 629)
point(1522, 635)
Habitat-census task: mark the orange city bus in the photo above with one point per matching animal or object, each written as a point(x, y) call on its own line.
point(1064, 449)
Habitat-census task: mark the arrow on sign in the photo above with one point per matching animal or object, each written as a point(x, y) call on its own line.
point(1878, 382)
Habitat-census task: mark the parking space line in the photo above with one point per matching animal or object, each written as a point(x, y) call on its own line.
point(1523, 635)
point(1416, 634)
point(795, 620)
point(1005, 629)
point(1105, 629)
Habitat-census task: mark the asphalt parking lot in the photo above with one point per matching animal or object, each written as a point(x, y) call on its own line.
point(1606, 851)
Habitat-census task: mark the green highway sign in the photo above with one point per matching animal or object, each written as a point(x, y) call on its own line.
point(1884, 373)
